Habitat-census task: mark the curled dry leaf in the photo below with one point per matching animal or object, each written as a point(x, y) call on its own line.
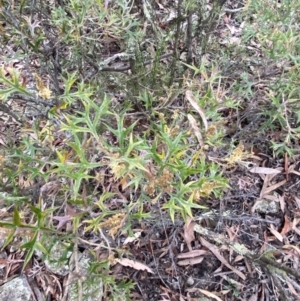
point(50, 188)
point(292, 247)
point(62, 220)
point(134, 264)
point(190, 97)
point(188, 234)
point(70, 213)
point(132, 238)
point(287, 226)
point(195, 129)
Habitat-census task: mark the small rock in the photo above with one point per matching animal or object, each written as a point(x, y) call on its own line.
point(57, 261)
point(267, 206)
point(15, 290)
point(190, 281)
point(92, 286)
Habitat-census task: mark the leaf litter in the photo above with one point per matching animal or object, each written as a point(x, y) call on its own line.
point(165, 253)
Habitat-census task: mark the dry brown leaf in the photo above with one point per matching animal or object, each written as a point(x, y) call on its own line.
point(281, 202)
point(286, 166)
point(276, 233)
point(163, 296)
point(296, 221)
point(292, 289)
point(297, 200)
point(195, 290)
point(287, 226)
point(294, 171)
point(291, 247)
point(134, 264)
point(190, 261)
point(209, 294)
point(8, 261)
point(238, 258)
point(70, 213)
point(132, 238)
point(188, 234)
point(190, 97)
point(264, 170)
point(267, 180)
point(216, 252)
point(274, 187)
point(191, 254)
point(50, 188)
point(195, 129)
point(62, 220)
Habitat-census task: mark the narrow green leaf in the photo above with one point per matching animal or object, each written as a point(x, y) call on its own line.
point(16, 217)
point(9, 239)
point(31, 247)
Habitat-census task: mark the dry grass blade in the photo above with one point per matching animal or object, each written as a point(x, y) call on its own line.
point(190, 97)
